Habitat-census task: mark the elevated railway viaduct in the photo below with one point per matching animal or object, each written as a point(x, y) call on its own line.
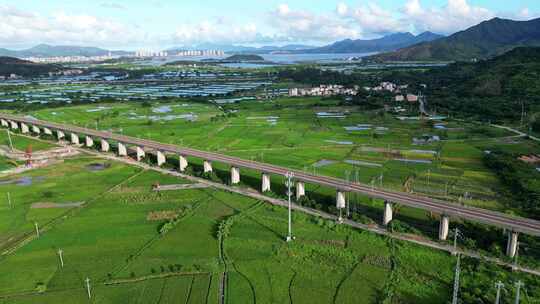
point(513, 224)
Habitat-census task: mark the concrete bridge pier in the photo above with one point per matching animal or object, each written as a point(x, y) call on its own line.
point(89, 141)
point(512, 245)
point(4, 123)
point(140, 153)
point(47, 131)
point(105, 146)
point(74, 139)
point(340, 200)
point(235, 175)
point(443, 227)
point(24, 128)
point(60, 135)
point(388, 213)
point(183, 163)
point(36, 129)
point(14, 125)
point(207, 165)
point(266, 184)
point(122, 149)
point(161, 159)
point(300, 190)
point(341, 204)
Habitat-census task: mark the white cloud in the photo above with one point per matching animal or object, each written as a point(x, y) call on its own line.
point(342, 9)
point(21, 28)
point(372, 19)
point(303, 25)
point(456, 15)
point(113, 5)
point(218, 30)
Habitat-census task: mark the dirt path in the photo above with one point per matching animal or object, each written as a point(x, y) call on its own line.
point(519, 133)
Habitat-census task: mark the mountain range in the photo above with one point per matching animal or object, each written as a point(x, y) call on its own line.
point(387, 43)
point(230, 48)
point(45, 50)
point(485, 40)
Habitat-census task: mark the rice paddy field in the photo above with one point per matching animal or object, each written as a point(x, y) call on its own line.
point(442, 159)
point(137, 245)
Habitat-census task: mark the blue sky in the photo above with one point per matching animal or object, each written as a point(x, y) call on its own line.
point(158, 24)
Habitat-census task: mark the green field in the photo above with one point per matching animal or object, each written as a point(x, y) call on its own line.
point(22, 143)
point(114, 240)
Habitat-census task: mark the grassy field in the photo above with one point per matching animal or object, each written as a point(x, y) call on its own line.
point(117, 240)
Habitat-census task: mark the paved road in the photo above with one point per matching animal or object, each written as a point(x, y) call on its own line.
point(498, 219)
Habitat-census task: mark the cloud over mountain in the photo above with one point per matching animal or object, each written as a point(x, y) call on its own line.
point(283, 23)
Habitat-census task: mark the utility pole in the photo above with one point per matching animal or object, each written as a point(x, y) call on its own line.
point(519, 284)
point(289, 176)
point(456, 233)
point(9, 138)
point(9, 200)
point(60, 252)
point(522, 113)
point(515, 264)
point(37, 229)
point(347, 173)
point(88, 287)
point(499, 286)
point(456, 280)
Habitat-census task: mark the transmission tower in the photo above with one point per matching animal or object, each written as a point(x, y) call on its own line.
point(519, 284)
point(289, 176)
point(456, 280)
point(499, 286)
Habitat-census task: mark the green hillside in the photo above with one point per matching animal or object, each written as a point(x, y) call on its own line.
point(487, 39)
point(10, 65)
point(492, 89)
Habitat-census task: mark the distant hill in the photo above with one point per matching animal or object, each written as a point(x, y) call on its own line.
point(386, 43)
point(10, 65)
point(45, 50)
point(487, 39)
point(246, 57)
